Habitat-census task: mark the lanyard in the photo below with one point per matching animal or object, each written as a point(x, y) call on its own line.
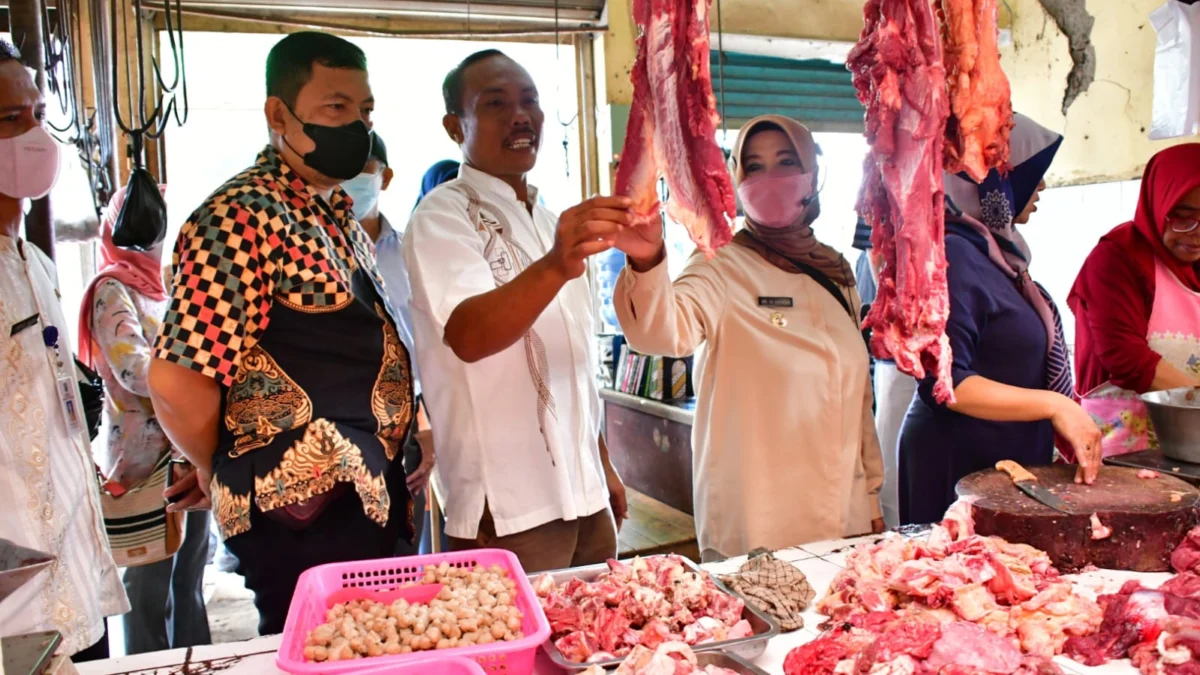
point(65, 384)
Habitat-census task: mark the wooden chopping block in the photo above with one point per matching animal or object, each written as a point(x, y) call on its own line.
point(1149, 517)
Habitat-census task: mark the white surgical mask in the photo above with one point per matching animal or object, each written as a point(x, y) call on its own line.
point(364, 189)
point(28, 164)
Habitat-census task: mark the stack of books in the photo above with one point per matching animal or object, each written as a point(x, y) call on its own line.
point(657, 377)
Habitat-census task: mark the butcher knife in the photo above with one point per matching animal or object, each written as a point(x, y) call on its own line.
point(1028, 483)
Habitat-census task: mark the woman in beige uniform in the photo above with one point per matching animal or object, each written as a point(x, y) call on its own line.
point(784, 445)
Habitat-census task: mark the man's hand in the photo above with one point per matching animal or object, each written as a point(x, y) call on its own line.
point(418, 481)
point(193, 486)
point(642, 242)
point(585, 230)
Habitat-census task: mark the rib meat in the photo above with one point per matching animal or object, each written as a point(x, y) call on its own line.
point(673, 124)
point(899, 76)
point(980, 99)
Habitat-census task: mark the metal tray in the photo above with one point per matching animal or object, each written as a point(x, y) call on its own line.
point(750, 648)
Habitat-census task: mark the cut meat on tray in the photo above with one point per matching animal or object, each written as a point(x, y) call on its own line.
point(672, 126)
point(981, 114)
point(673, 658)
point(646, 602)
point(898, 73)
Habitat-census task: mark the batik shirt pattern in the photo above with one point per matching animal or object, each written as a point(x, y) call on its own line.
point(276, 297)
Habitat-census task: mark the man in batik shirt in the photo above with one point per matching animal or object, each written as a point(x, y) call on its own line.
point(279, 371)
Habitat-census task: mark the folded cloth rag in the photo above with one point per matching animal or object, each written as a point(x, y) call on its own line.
point(773, 586)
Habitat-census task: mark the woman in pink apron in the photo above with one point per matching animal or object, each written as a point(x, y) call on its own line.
point(1137, 304)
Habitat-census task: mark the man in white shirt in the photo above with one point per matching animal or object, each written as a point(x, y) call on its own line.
point(504, 333)
point(49, 494)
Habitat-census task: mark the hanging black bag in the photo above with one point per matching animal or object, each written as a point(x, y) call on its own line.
point(142, 223)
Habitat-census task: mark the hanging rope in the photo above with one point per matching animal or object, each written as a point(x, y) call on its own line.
point(558, 97)
point(171, 100)
point(63, 49)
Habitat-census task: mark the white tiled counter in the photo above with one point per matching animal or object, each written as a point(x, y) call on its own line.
point(819, 561)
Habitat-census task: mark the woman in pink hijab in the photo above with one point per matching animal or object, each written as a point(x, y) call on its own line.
point(117, 325)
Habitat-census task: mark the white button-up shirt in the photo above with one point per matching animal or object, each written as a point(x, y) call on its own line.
point(389, 258)
point(49, 493)
point(485, 415)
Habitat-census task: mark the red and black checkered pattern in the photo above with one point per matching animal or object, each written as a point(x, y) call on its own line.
point(263, 237)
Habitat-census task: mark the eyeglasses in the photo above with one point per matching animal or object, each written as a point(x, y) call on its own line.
point(1182, 225)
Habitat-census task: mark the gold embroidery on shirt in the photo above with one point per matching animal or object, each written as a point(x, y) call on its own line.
point(391, 398)
point(27, 427)
point(232, 511)
point(262, 402)
point(313, 465)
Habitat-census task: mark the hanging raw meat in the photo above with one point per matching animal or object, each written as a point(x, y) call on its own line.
point(980, 100)
point(673, 124)
point(898, 73)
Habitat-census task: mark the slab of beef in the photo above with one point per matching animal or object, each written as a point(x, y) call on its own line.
point(1159, 629)
point(981, 114)
point(672, 127)
point(913, 645)
point(1008, 590)
point(646, 602)
point(898, 73)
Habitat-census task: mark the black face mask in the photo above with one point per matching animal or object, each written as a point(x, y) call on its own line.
point(340, 152)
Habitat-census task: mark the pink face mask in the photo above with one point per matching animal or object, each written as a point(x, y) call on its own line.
point(28, 164)
point(776, 198)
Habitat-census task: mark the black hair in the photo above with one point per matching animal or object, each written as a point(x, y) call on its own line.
point(378, 149)
point(9, 52)
point(452, 86)
point(290, 63)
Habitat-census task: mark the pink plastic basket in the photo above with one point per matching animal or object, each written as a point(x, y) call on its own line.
point(309, 603)
point(445, 666)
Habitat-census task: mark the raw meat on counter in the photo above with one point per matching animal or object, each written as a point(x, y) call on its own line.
point(1008, 590)
point(915, 644)
point(898, 73)
point(1159, 629)
point(672, 128)
point(646, 602)
point(1186, 557)
point(671, 658)
point(981, 115)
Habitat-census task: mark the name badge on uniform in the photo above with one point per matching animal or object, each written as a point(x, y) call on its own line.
point(23, 324)
point(764, 301)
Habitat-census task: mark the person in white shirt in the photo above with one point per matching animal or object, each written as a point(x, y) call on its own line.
point(49, 493)
point(504, 335)
point(365, 189)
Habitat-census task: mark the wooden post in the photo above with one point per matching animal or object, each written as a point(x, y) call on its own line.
point(585, 82)
point(25, 25)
